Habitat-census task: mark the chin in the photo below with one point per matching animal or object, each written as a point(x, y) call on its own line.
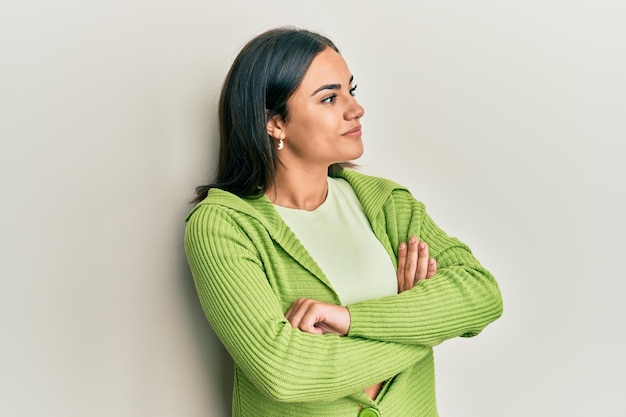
point(350, 152)
point(357, 152)
point(356, 156)
point(346, 157)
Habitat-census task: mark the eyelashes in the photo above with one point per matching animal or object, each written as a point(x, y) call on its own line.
point(329, 99)
point(333, 97)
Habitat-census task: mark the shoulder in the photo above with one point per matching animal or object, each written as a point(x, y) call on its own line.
point(220, 213)
point(209, 222)
point(214, 229)
point(216, 200)
point(225, 215)
point(225, 203)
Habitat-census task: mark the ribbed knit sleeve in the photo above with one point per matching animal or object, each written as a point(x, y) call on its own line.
point(283, 363)
point(459, 300)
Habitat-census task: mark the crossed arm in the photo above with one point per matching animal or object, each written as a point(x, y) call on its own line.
point(317, 317)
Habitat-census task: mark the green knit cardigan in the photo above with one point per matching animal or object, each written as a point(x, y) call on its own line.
point(249, 268)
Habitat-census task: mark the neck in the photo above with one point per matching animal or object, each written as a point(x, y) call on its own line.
point(299, 188)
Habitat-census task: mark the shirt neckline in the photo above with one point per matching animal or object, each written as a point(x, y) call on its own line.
point(329, 196)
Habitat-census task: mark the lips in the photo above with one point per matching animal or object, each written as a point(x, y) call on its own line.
point(354, 131)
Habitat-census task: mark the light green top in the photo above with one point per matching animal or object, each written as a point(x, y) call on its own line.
point(340, 239)
point(249, 267)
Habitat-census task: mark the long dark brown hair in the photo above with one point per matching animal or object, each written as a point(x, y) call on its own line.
point(267, 71)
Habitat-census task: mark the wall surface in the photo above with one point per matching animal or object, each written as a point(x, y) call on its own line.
point(505, 118)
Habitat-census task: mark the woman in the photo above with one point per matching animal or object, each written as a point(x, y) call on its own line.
point(328, 287)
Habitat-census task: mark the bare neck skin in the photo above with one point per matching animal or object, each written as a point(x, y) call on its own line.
point(299, 188)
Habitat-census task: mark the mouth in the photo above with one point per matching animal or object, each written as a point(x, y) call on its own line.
point(355, 131)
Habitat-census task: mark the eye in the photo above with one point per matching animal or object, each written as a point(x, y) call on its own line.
point(352, 90)
point(329, 99)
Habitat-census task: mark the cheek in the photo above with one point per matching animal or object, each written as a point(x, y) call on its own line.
point(316, 128)
point(312, 126)
point(329, 125)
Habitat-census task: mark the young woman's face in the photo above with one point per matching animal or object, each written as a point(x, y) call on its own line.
point(323, 126)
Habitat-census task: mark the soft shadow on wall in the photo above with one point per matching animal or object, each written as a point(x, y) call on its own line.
point(212, 356)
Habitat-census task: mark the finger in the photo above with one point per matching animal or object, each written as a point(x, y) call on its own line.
point(410, 268)
point(422, 261)
point(289, 313)
point(309, 320)
point(311, 317)
point(292, 309)
point(432, 268)
point(296, 311)
point(401, 264)
point(325, 318)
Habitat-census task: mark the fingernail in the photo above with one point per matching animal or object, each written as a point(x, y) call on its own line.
point(413, 239)
point(402, 246)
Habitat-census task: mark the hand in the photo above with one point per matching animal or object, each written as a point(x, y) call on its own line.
point(316, 317)
point(414, 264)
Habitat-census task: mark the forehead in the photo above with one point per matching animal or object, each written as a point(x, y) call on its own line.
point(328, 67)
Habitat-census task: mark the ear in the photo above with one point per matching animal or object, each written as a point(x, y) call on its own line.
point(276, 127)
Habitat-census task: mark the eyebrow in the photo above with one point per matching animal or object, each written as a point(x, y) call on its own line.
point(331, 86)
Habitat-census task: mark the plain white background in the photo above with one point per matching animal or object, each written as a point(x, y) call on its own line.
point(505, 118)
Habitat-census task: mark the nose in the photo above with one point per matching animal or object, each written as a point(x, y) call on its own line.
point(354, 110)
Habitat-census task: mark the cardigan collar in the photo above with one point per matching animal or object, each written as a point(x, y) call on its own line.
point(372, 193)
